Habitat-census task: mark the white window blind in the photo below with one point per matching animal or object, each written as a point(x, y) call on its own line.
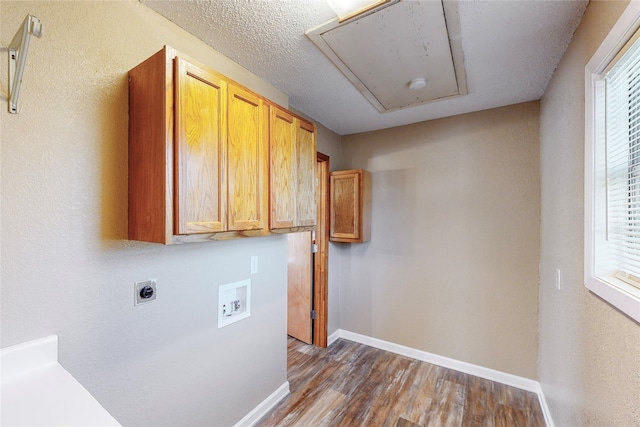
point(612, 166)
point(622, 107)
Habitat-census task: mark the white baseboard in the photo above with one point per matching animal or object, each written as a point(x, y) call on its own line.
point(264, 407)
point(545, 408)
point(333, 337)
point(446, 362)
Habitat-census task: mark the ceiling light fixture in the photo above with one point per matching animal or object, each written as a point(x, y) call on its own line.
point(417, 83)
point(347, 9)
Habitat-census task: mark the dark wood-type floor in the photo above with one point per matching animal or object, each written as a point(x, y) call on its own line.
point(350, 384)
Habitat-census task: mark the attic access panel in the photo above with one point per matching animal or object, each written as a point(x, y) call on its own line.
point(381, 52)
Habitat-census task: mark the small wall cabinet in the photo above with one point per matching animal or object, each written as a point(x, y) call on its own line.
point(199, 153)
point(350, 206)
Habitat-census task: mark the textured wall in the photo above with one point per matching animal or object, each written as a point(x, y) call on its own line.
point(452, 266)
point(66, 265)
point(589, 353)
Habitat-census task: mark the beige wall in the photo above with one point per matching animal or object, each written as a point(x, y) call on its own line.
point(452, 266)
point(67, 267)
point(589, 353)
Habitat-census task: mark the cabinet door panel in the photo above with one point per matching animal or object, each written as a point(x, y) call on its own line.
point(247, 161)
point(282, 152)
point(345, 189)
point(350, 206)
point(306, 177)
point(199, 201)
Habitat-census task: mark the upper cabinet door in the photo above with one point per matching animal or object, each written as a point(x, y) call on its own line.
point(247, 153)
point(292, 150)
point(345, 206)
point(306, 176)
point(200, 199)
point(350, 206)
point(282, 152)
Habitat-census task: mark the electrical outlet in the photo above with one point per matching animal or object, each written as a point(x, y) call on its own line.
point(144, 291)
point(254, 264)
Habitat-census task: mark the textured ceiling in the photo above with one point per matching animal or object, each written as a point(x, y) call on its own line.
point(511, 49)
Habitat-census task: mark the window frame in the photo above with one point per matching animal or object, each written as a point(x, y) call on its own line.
point(599, 279)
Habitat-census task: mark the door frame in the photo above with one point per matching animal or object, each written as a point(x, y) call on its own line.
point(321, 257)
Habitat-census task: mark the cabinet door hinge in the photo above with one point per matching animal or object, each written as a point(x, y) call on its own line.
point(313, 315)
point(314, 248)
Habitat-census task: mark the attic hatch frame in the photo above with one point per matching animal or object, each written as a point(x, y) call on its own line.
point(18, 50)
point(452, 27)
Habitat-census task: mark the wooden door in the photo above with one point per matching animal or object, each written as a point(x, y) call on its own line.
point(200, 196)
point(321, 257)
point(282, 152)
point(247, 146)
point(306, 176)
point(300, 286)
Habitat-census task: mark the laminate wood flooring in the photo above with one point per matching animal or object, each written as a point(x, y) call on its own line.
point(350, 384)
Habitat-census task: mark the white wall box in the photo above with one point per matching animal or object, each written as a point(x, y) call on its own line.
point(234, 302)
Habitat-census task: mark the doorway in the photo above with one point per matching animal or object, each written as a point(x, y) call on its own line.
point(307, 314)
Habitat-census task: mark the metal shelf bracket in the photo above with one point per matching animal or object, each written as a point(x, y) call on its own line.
point(18, 57)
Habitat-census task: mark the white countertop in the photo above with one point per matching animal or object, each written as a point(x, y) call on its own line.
point(38, 391)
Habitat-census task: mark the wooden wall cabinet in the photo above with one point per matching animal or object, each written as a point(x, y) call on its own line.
point(198, 154)
point(292, 153)
point(350, 206)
